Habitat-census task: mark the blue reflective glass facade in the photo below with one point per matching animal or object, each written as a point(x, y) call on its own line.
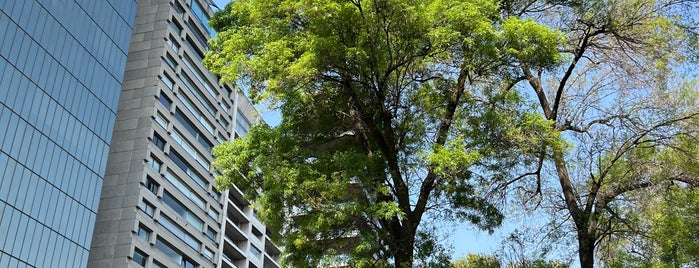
point(61, 69)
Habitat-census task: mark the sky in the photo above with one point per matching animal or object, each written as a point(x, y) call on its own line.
point(464, 238)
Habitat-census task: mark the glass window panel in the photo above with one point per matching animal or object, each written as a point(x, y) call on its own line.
point(208, 254)
point(16, 181)
point(187, 169)
point(164, 100)
point(192, 130)
point(170, 62)
point(156, 264)
point(183, 211)
point(6, 178)
point(143, 233)
point(189, 148)
point(152, 186)
point(200, 13)
point(184, 189)
point(4, 121)
point(179, 232)
point(212, 213)
point(197, 113)
point(27, 236)
point(198, 94)
point(11, 229)
point(255, 251)
point(6, 220)
point(158, 141)
point(211, 233)
point(160, 119)
point(139, 257)
point(154, 163)
point(169, 251)
point(167, 81)
point(147, 208)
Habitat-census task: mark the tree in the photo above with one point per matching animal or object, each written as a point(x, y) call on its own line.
point(489, 261)
point(670, 241)
point(618, 102)
point(477, 261)
point(388, 110)
point(666, 237)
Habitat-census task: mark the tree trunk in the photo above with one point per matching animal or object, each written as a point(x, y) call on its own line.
point(586, 249)
point(404, 251)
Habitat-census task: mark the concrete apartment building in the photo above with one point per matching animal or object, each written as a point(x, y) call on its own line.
point(82, 128)
point(61, 68)
point(159, 206)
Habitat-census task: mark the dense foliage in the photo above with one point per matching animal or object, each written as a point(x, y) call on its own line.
point(386, 107)
point(396, 113)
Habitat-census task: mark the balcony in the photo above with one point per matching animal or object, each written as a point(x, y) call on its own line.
point(234, 232)
point(271, 262)
point(235, 213)
point(232, 255)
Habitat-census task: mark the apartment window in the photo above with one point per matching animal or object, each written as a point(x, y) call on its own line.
point(200, 76)
point(147, 208)
point(197, 33)
point(143, 233)
point(152, 186)
point(229, 91)
point(187, 168)
point(208, 254)
point(139, 257)
point(183, 211)
point(174, 254)
point(170, 62)
point(172, 44)
point(212, 213)
point(216, 196)
point(198, 94)
point(220, 138)
point(223, 122)
point(160, 119)
point(189, 148)
point(211, 233)
point(200, 117)
point(179, 232)
point(155, 163)
point(192, 130)
point(165, 101)
point(201, 16)
point(169, 83)
point(242, 125)
point(158, 141)
point(156, 264)
point(257, 233)
point(178, 8)
point(184, 189)
point(225, 106)
point(255, 251)
point(175, 27)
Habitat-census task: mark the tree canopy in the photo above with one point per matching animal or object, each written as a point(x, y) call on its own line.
point(386, 108)
point(622, 103)
point(396, 113)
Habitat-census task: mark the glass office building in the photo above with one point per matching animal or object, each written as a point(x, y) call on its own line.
point(61, 69)
point(159, 206)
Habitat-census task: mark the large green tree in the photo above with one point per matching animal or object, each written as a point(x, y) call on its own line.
point(393, 112)
point(619, 102)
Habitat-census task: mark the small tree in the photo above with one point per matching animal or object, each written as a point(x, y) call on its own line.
point(477, 261)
